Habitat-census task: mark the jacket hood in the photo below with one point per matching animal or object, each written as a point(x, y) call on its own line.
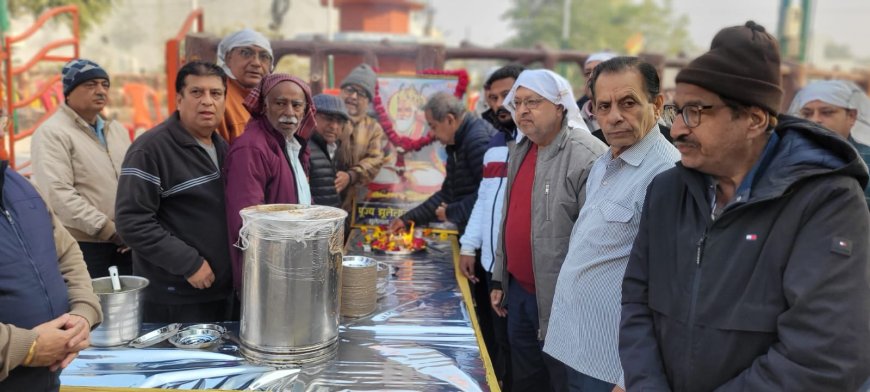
point(804, 150)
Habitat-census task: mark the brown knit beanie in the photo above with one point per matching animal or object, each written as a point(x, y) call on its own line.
point(742, 65)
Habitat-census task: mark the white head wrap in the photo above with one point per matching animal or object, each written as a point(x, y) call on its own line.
point(244, 37)
point(842, 93)
point(600, 56)
point(553, 88)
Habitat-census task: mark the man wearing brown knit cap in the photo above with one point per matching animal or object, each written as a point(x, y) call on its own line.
point(750, 269)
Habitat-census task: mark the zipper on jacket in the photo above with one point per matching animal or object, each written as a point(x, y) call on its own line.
point(547, 197)
point(696, 285)
point(29, 257)
point(17, 233)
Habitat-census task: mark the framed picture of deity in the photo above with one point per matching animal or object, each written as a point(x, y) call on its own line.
point(414, 163)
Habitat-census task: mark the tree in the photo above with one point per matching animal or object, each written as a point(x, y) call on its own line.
point(90, 11)
point(597, 25)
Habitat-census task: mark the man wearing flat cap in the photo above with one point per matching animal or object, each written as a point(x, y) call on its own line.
point(331, 118)
point(750, 268)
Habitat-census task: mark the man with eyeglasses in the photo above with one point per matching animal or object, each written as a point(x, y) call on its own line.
point(246, 57)
point(361, 154)
point(842, 107)
point(465, 137)
point(546, 187)
point(77, 155)
point(584, 322)
point(750, 270)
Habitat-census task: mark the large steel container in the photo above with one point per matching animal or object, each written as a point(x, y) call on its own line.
point(291, 283)
point(122, 310)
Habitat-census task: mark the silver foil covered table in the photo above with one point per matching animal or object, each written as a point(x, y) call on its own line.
point(420, 338)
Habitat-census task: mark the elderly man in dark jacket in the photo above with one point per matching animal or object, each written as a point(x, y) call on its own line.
point(331, 118)
point(466, 138)
point(750, 268)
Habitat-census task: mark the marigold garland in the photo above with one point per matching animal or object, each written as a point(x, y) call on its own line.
point(404, 143)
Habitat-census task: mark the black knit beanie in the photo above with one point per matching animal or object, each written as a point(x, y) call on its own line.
point(78, 71)
point(742, 65)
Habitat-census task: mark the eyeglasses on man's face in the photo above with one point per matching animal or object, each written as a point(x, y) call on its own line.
point(262, 56)
point(691, 113)
point(351, 90)
point(530, 103)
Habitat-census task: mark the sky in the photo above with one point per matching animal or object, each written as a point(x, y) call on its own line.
point(840, 21)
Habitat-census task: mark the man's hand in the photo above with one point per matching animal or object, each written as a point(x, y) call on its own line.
point(441, 212)
point(466, 265)
point(203, 278)
point(616, 388)
point(397, 225)
point(495, 297)
point(82, 340)
point(342, 180)
point(116, 239)
point(52, 341)
point(77, 343)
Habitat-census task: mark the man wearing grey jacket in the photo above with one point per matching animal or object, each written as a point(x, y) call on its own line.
point(545, 191)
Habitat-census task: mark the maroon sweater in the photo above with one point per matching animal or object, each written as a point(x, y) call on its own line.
point(518, 227)
point(257, 171)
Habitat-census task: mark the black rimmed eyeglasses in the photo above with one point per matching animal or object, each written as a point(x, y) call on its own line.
point(691, 113)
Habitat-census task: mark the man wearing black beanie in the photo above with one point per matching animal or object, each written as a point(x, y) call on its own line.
point(750, 271)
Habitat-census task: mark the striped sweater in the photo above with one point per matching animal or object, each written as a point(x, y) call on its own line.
point(484, 225)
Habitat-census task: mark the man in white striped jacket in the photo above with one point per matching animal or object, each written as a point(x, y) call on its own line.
point(584, 322)
point(481, 233)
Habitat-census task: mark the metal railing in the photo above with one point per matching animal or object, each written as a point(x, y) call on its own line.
point(43, 55)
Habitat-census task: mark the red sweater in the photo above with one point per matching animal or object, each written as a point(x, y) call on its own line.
point(518, 226)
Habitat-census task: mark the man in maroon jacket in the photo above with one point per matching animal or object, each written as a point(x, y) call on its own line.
point(268, 163)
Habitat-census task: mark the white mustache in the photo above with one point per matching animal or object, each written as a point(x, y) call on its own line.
point(288, 120)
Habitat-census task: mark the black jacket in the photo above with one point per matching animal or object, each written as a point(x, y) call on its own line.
point(321, 174)
point(774, 295)
point(464, 172)
point(170, 211)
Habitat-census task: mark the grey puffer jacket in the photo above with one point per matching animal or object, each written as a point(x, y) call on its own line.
point(558, 193)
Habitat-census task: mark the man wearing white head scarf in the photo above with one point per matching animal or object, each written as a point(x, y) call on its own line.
point(545, 190)
point(842, 107)
point(246, 57)
point(583, 103)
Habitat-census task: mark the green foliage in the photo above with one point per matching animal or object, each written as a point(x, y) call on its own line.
point(91, 12)
point(597, 25)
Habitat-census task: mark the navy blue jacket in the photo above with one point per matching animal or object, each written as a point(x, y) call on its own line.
point(32, 287)
point(464, 172)
point(773, 295)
